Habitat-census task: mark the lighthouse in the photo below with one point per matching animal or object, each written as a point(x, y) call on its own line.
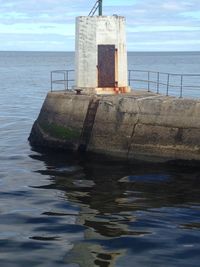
point(100, 53)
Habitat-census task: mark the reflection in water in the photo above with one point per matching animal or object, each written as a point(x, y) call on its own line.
point(87, 211)
point(134, 213)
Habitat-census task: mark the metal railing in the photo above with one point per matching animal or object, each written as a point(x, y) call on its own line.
point(178, 85)
point(165, 83)
point(67, 78)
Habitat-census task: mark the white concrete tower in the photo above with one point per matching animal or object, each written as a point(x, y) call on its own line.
point(101, 56)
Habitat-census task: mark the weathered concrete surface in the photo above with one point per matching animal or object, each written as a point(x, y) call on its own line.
point(136, 125)
point(94, 31)
point(60, 121)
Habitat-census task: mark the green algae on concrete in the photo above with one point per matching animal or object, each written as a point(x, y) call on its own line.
point(59, 132)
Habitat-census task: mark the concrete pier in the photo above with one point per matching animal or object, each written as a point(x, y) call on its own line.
point(136, 125)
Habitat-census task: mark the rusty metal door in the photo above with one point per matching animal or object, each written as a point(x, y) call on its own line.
point(106, 66)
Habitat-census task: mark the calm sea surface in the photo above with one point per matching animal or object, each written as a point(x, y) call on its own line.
point(63, 210)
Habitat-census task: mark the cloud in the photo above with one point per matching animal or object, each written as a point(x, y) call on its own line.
point(36, 42)
point(164, 41)
point(38, 28)
point(145, 19)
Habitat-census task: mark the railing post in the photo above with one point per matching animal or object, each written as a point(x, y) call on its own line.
point(167, 93)
point(67, 80)
point(129, 77)
point(158, 82)
point(51, 81)
point(181, 92)
point(148, 81)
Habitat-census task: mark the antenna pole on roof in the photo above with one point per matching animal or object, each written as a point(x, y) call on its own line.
point(100, 7)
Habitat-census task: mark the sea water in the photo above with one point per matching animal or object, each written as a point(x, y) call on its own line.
point(58, 209)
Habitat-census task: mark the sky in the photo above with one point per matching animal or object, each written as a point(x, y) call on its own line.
point(49, 25)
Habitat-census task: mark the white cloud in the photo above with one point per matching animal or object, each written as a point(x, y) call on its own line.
point(38, 28)
point(144, 18)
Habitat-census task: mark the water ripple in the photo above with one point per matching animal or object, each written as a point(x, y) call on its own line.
point(58, 209)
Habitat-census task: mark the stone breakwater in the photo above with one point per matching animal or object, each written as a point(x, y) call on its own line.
point(137, 125)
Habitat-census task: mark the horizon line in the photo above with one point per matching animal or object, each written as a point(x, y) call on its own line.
point(129, 51)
